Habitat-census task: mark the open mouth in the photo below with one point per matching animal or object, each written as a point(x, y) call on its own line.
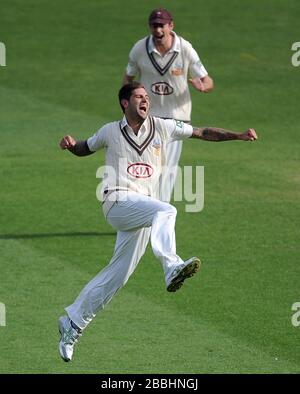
point(143, 108)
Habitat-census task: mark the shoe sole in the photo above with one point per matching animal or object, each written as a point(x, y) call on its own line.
point(61, 352)
point(186, 273)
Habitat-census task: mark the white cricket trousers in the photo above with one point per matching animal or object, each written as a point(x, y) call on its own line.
point(170, 169)
point(136, 217)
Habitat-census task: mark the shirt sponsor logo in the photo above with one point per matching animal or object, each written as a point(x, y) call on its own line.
point(140, 170)
point(161, 88)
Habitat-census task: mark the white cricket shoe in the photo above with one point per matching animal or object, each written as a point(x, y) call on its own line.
point(69, 336)
point(182, 272)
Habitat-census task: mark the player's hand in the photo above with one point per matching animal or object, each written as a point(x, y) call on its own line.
point(198, 84)
point(249, 135)
point(67, 142)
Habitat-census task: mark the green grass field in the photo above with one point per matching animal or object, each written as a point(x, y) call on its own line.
point(64, 66)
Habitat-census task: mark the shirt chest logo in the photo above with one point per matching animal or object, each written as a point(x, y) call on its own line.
point(177, 71)
point(161, 88)
point(140, 170)
point(157, 146)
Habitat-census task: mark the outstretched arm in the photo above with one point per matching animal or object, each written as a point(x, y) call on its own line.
point(216, 134)
point(78, 148)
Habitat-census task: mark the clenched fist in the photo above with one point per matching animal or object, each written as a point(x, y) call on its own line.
point(249, 135)
point(67, 142)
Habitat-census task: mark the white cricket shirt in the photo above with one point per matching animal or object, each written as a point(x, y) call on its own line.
point(165, 77)
point(134, 162)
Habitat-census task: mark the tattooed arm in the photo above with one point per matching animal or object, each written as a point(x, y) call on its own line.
point(78, 148)
point(216, 134)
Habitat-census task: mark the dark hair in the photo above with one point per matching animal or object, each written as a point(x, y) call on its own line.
point(126, 91)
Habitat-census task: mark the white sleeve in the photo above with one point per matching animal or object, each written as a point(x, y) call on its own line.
point(178, 130)
point(98, 140)
point(196, 68)
point(132, 68)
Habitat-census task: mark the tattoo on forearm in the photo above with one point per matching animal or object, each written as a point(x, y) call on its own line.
point(81, 149)
point(214, 134)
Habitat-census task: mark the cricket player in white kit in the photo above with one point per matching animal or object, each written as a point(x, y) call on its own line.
point(135, 153)
point(163, 62)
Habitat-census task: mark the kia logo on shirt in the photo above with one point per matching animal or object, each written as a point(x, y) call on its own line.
point(161, 88)
point(140, 170)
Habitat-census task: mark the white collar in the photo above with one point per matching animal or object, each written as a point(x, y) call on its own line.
point(175, 47)
point(124, 123)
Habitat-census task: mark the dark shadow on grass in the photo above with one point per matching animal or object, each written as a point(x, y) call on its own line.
point(52, 235)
